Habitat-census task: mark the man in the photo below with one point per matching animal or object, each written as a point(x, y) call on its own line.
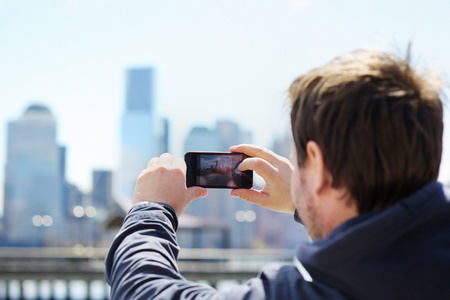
point(367, 131)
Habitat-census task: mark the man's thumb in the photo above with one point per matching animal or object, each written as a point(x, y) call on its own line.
point(195, 192)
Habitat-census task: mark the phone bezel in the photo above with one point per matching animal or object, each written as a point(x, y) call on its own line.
point(191, 171)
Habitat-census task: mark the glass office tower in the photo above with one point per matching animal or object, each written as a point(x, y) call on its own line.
point(138, 139)
point(33, 181)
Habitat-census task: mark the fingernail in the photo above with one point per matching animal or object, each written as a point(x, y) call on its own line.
point(233, 194)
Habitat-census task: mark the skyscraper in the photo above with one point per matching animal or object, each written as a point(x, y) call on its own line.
point(33, 183)
point(142, 132)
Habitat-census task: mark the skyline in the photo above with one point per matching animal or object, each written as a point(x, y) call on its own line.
point(72, 56)
point(50, 207)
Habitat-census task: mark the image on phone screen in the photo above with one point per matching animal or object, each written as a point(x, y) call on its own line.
point(217, 170)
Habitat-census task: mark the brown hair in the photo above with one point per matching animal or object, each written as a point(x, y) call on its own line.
point(378, 123)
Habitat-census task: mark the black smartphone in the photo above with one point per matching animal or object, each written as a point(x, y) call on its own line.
point(217, 170)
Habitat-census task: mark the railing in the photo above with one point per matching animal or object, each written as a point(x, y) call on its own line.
point(46, 268)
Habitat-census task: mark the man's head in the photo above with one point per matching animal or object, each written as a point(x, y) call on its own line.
point(377, 122)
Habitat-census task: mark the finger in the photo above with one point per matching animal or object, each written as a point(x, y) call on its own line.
point(180, 164)
point(143, 172)
point(252, 196)
point(165, 159)
point(196, 192)
point(256, 151)
point(260, 166)
point(152, 162)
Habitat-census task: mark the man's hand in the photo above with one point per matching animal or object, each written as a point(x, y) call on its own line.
point(164, 181)
point(275, 170)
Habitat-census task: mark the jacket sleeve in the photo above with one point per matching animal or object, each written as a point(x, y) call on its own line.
point(141, 262)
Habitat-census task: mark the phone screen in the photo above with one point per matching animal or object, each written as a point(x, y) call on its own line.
point(217, 170)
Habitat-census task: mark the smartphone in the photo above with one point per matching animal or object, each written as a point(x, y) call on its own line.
point(217, 170)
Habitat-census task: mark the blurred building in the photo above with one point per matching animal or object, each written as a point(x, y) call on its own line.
point(282, 231)
point(282, 144)
point(34, 211)
point(90, 211)
point(162, 133)
point(217, 216)
point(73, 197)
point(102, 189)
point(143, 132)
point(225, 134)
point(201, 138)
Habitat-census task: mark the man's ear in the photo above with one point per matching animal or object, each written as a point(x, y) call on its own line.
point(320, 174)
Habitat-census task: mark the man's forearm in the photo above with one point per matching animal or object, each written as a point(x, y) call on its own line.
point(141, 263)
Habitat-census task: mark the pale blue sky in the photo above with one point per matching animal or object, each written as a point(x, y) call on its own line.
point(236, 58)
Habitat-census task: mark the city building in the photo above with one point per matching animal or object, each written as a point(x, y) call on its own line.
point(88, 212)
point(201, 138)
point(282, 231)
point(283, 143)
point(102, 189)
point(144, 133)
point(34, 211)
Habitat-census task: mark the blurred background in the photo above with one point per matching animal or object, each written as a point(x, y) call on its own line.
point(90, 90)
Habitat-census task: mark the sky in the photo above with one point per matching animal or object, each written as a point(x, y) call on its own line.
point(215, 59)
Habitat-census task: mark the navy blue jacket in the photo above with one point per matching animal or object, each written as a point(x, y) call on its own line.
point(399, 253)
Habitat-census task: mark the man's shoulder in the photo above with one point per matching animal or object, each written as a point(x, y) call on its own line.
point(281, 281)
point(446, 190)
